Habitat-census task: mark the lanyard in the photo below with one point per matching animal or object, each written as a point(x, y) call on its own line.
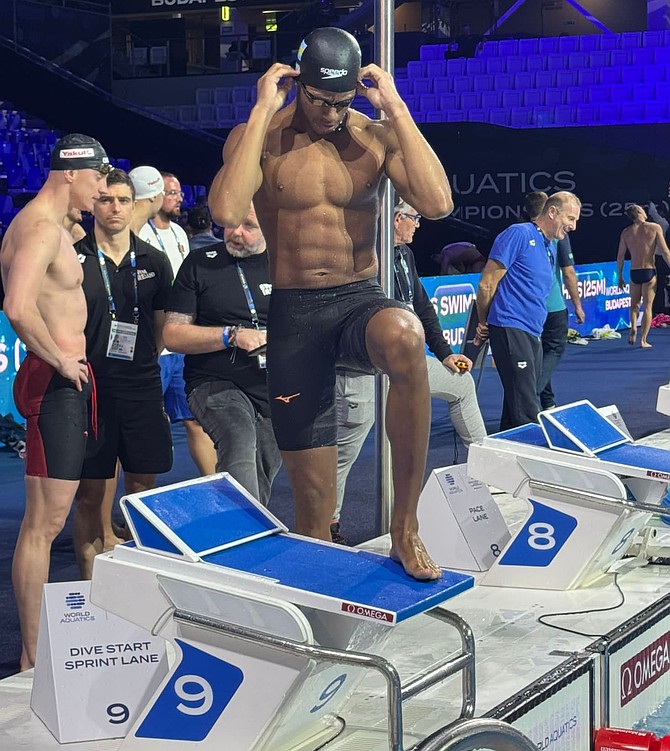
point(547, 246)
point(247, 293)
point(180, 247)
point(408, 281)
point(108, 286)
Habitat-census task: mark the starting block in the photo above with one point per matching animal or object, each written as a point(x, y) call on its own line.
point(663, 400)
point(590, 489)
point(272, 630)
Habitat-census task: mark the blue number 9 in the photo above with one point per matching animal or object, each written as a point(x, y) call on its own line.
point(329, 691)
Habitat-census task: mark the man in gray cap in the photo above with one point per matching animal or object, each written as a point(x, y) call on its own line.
point(149, 193)
point(45, 305)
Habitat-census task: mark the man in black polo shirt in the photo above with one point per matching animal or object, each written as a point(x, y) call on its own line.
point(217, 316)
point(126, 284)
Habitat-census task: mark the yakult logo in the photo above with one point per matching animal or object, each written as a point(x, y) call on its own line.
point(645, 668)
point(365, 612)
point(76, 153)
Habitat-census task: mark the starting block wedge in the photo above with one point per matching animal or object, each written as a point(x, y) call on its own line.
point(263, 621)
point(590, 490)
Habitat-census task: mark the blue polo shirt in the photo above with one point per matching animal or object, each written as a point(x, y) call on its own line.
point(520, 301)
point(564, 257)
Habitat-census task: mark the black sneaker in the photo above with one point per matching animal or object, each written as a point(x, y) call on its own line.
point(335, 535)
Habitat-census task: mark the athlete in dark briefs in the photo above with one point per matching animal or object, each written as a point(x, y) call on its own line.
point(45, 305)
point(217, 316)
point(315, 170)
point(640, 240)
point(122, 337)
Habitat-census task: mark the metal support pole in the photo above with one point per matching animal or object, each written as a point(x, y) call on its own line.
point(384, 55)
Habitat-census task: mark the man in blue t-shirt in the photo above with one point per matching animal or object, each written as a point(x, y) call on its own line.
point(512, 302)
point(555, 330)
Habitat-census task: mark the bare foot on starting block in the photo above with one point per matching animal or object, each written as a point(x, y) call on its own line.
point(411, 554)
point(110, 542)
point(645, 345)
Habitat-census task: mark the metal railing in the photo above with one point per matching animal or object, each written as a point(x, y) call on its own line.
point(396, 693)
point(481, 733)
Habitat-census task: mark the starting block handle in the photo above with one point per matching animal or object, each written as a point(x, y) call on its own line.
point(358, 659)
point(463, 663)
point(396, 693)
point(600, 500)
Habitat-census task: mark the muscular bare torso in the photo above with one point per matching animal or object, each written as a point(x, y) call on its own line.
point(60, 298)
point(318, 204)
point(640, 240)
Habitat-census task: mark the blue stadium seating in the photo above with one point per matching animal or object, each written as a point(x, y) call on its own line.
point(589, 42)
point(495, 65)
point(428, 102)
point(490, 99)
point(554, 96)
point(474, 66)
point(436, 68)
point(548, 45)
point(477, 115)
point(533, 98)
point(568, 44)
point(528, 47)
point(456, 67)
point(470, 100)
point(443, 85)
point(576, 95)
point(448, 102)
point(631, 40)
point(564, 78)
point(416, 69)
point(421, 85)
point(499, 116)
point(462, 83)
point(545, 78)
point(586, 114)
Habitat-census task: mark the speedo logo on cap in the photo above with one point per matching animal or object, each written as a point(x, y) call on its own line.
point(334, 72)
point(81, 153)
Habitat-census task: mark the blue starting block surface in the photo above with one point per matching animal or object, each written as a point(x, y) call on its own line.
point(212, 520)
point(354, 578)
point(530, 434)
point(197, 517)
point(579, 428)
point(645, 458)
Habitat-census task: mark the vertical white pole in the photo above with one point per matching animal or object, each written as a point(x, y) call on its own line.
point(384, 57)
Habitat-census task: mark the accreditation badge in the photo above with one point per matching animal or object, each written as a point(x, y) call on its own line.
point(122, 338)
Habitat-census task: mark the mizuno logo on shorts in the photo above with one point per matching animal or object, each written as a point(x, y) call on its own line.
point(286, 399)
point(333, 72)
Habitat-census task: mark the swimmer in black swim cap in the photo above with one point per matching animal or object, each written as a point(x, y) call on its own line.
point(330, 60)
point(329, 64)
point(316, 170)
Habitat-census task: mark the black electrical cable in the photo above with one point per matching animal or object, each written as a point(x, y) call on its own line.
point(541, 618)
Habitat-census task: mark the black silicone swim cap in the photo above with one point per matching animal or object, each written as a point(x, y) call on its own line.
point(77, 151)
point(329, 59)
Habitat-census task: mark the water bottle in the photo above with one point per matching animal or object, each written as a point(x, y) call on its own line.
point(614, 739)
point(665, 501)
